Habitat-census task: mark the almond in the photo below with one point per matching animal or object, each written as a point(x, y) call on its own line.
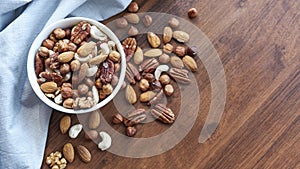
point(86, 49)
point(68, 152)
point(147, 96)
point(130, 94)
point(65, 57)
point(190, 63)
point(138, 56)
point(65, 124)
point(84, 153)
point(176, 62)
point(94, 120)
point(181, 36)
point(167, 34)
point(82, 72)
point(153, 53)
point(132, 18)
point(153, 39)
point(48, 87)
point(98, 59)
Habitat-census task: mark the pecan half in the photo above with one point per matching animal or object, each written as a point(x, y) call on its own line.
point(163, 114)
point(180, 75)
point(39, 64)
point(148, 65)
point(135, 117)
point(80, 32)
point(157, 98)
point(132, 73)
point(107, 71)
point(129, 46)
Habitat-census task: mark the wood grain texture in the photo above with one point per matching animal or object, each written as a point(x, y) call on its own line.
point(258, 43)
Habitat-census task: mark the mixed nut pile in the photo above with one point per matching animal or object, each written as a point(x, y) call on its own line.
point(78, 66)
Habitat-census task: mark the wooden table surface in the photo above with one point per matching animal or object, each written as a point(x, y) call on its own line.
point(258, 44)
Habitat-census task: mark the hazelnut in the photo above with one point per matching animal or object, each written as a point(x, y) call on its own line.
point(75, 65)
point(130, 131)
point(192, 13)
point(107, 89)
point(164, 58)
point(68, 103)
point(144, 85)
point(48, 44)
point(124, 85)
point(168, 48)
point(117, 118)
point(133, 31)
point(147, 20)
point(180, 51)
point(168, 90)
point(164, 79)
point(52, 37)
point(121, 23)
point(62, 46)
point(83, 89)
point(114, 80)
point(117, 67)
point(59, 33)
point(72, 47)
point(102, 95)
point(91, 135)
point(114, 56)
point(64, 69)
point(174, 23)
point(43, 51)
point(98, 83)
point(133, 7)
point(66, 90)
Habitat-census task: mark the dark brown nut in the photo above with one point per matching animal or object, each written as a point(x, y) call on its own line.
point(68, 33)
point(144, 85)
point(80, 32)
point(155, 86)
point(114, 56)
point(62, 46)
point(147, 20)
point(54, 64)
point(133, 31)
point(121, 23)
point(135, 117)
point(66, 90)
point(59, 33)
point(83, 89)
point(51, 76)
point(130, 131)
point(180, 75)
point(192, 51)
point(133, 7)
point(174, 23)
point(43, 52)
point(107, 71)
point(102, 95)
point(72, 47)
point(149, 76)
point(180, 51)
point(192, 13)
point(84, 153)
point(52, 37)
point(48, 44)
point(129, 46)
point(64, 69)
point(89, 94)
point(39, 65)
point(68, 103)
point(107, 89)
point(75, 93)
point(163, 114)
point(156, 99)
point(89, 82)
point(168, 48)
point(164, 58)
point(117, 118)
point(91, 135)
point(132, 73)
point(164, 79)
point(75, 65)
point(168, 90)
point(148, 65)
point(114, 80)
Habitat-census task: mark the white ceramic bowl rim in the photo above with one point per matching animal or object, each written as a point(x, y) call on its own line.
point(64, 23)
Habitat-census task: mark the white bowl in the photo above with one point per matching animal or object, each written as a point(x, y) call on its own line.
point(64, 23)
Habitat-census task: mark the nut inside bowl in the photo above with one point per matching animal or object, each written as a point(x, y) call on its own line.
point(55, 80)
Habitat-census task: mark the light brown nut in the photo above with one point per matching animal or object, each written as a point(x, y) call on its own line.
point(115, 80)
point(192, 13)
point(176, 62)
point(174, 23)
point(121, 23)
point(133, 31)
point(114, 56)
point(117, 118)
point(138, 56)
point(168, 90)
point(181, 36)
point(130, 131)
point(48, 44)
point(83, 89)
point(43, 52)
point(98, 59)
point(130, 95)
point(168, 48)
point(147, 96)
point(65, 57)
point(167, 34)
point(59, 33)
point(75, 65)
point(164, 58)
point(91, 135)
point(86, 49)
point(94, 120)
point(153, 39)
point(80, 32)
point(66, 90)
point(64, 69)
point(153, 53)
point(144, 85)
point(180, 51)
point(147, 20)
point(65, 124)
point(129, 46)
point(82, 72)
point(133, 7)
point(107, 89)
point(49, 87)
point(84, 153)
point(190, 63)
point(164, 79)
point(68, 103)
point(68, 152)
point(132, 18)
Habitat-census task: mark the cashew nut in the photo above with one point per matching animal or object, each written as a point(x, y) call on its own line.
point(92, 71)
point(104, 48)
point(111, 45)
point(58, 99)
point(97, 34)
point(75, 130)
point(159, 70)
point(94, 53)
point(95, 95)
point(67, 76)
point(83, 59)
point(106, 141)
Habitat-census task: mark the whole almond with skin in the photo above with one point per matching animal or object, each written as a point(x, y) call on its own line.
point(153, 40)
point(65, 57)
point(190, 63)
point(82, 72)
point(132, 18)
point(167, 34)
point(65, 124)
point(138, 56)
point(49, 87)
point(94, 120)
point(68, 152)
point(84, 153)
point(86, 49)
point(147, 20)
point(181, 36)
point(130, 94)
point(176, 62)
point(147, 96)
point(153, 53)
